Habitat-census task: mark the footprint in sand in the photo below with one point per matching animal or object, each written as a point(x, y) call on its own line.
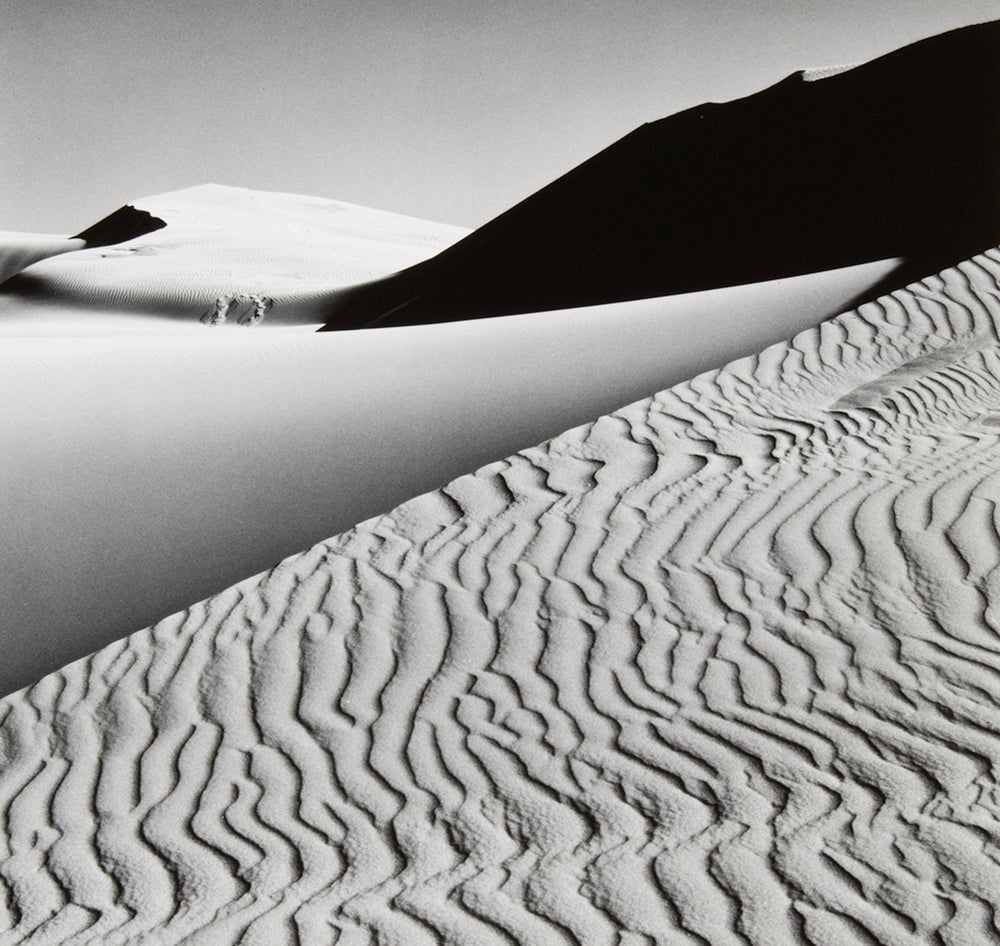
point(253, 307)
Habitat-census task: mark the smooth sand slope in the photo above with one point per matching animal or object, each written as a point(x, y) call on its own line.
point(806, 176)
point(719, 668)
point(894, 158)
point(20, 250)
point(142, 474)
point(221, 257)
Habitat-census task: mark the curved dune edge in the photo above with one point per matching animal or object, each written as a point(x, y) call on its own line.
point(801, 177)
point(20, 250)
point(214, 257)
point(150, 473)
point(719, 667)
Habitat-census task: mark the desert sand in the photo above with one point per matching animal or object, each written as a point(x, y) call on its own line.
point(718, 668)
point(225, 257)
point(805, 176)
point(20, 250)
point(141, 474)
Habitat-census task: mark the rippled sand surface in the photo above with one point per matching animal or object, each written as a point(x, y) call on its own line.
point(720, 667)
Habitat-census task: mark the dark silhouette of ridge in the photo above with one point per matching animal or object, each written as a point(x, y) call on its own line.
point(899, 157)
point(126, 223)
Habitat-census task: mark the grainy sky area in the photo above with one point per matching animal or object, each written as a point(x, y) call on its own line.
point(445, 109)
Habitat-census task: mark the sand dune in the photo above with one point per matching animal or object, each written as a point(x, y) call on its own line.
point(719, 668)
point(142, 474)
point(802, 177)
point(224, 256)
point(20, 250)
point(805, 176)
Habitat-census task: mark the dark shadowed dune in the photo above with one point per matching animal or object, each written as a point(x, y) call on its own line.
point(126, 223)
point(895, 158)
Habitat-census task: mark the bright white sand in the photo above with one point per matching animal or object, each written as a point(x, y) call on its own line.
point(720, 668)
point(141, 474)
point(279, 256)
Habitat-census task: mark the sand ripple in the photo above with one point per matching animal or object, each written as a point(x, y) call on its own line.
point(720, 668)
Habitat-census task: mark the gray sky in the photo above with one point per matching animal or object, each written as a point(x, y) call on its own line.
point(450, 109)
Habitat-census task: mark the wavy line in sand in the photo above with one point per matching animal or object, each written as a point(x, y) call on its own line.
point(719, 668)
point(231, 452)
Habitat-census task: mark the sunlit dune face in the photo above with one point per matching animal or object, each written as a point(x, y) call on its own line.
point(231, 450)
point(221, 249)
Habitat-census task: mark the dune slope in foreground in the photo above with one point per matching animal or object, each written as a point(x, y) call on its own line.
point(229, 453)
point(721, 667)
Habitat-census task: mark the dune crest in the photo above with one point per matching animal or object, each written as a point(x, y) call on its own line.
point(804, 176)
point(720, 667)
point(187, 250)
point(125, 224)
point(20, 250)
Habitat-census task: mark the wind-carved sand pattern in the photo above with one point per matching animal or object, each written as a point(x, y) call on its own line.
point(722, 667)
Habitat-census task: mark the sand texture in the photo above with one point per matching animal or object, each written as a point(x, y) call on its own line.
point(147, 473)
point(226, 257)
point(719, 668)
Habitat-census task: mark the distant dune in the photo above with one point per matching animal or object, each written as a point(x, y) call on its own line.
point(20, 250)
point(894, 158)
point(218, 256)
point(718, 668)
point(806, 176)
point(147, 473)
